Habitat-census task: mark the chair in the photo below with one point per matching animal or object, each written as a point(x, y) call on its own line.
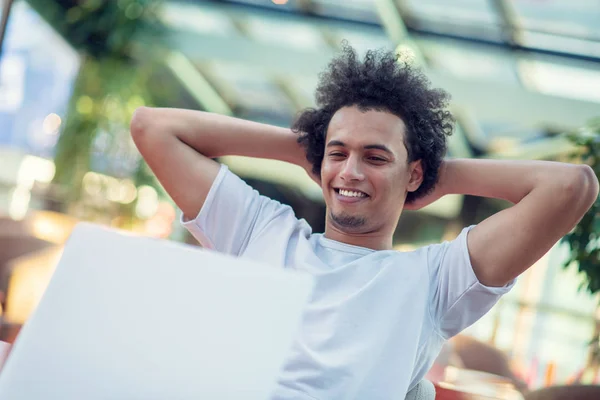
point(423, 391)
point(571, 392)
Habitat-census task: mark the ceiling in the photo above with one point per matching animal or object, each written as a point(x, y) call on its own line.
point(259, 60)
point(519, 71)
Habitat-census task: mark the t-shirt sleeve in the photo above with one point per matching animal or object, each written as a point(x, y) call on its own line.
point(457, 298)
point(232, 213)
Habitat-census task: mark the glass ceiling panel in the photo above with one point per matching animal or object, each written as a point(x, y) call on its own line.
point(249, 89)
point(563, 80)
point(290, 5)
point(470, 61)
point(467, 18)
point(305, 86)
point(561, 44)
point(460, 11)
point(355, 10)
point(579, 18)
point(362, 39)
point(284, 33)
point(195, 18)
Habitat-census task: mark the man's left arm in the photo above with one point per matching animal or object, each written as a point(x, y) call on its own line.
point(549, 199)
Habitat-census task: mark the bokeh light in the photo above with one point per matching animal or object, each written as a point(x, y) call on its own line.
point(51, 124)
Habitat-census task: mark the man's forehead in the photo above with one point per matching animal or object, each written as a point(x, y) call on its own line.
point(371, 127)
point(348, 117)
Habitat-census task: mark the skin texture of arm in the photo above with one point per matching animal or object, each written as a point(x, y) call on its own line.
point(179, 145)
point(549, 199)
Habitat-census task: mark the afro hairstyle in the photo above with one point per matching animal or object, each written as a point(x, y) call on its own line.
point(381, 82)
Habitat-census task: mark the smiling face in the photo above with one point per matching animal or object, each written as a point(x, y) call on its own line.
point(365, 176)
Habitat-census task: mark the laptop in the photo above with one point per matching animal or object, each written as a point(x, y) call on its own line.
point(136, 318)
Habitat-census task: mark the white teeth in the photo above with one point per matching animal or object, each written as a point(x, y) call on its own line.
point(349, 193)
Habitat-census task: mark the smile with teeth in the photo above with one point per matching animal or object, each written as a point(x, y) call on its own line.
point(351, 193)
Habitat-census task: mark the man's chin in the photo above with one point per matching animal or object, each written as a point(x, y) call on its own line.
point(348, 222)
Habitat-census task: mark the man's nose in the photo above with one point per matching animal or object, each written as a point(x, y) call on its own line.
point(352, 170)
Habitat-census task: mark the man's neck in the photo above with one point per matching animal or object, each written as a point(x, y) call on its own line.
point(369, 240)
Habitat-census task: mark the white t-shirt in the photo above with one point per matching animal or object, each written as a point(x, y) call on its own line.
point(376, 319)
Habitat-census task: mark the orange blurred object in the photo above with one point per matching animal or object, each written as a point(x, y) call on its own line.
point(550, 373)
point(442, 393)
point(465, 384)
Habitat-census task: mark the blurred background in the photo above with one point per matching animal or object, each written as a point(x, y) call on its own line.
point(524, 76)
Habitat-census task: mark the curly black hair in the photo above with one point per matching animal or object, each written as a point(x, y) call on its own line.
point(384, 83)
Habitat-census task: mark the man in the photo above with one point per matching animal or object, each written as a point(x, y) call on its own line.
point(375, 143)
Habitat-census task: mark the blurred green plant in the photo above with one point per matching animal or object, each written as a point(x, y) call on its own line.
point(102, 28)
point(116, 72)
point(584, 239)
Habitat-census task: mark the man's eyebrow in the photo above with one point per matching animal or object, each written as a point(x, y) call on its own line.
point(336, 143)
point(381, 147)
point(378, 147)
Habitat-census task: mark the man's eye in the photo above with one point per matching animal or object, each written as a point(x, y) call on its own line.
point(336, 154)
point(377, 159)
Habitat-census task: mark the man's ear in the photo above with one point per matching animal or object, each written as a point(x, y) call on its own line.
point(416, 175)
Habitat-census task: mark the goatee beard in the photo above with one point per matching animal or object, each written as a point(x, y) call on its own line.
point(347, 221)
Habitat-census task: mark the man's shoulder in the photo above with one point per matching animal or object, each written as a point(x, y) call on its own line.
point(246, 189)
point(457, 243)
point(427, 254)
point(407, 251)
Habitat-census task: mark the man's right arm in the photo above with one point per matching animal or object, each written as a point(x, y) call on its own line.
point(179, 145)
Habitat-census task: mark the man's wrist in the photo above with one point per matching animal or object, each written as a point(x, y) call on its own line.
point(451, 178)
point(443, 186)
point(291, 151)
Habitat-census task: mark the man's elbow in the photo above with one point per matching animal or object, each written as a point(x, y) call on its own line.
point(591, 185)
point(148, 131)
point(140, 123)
point(582, 186)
